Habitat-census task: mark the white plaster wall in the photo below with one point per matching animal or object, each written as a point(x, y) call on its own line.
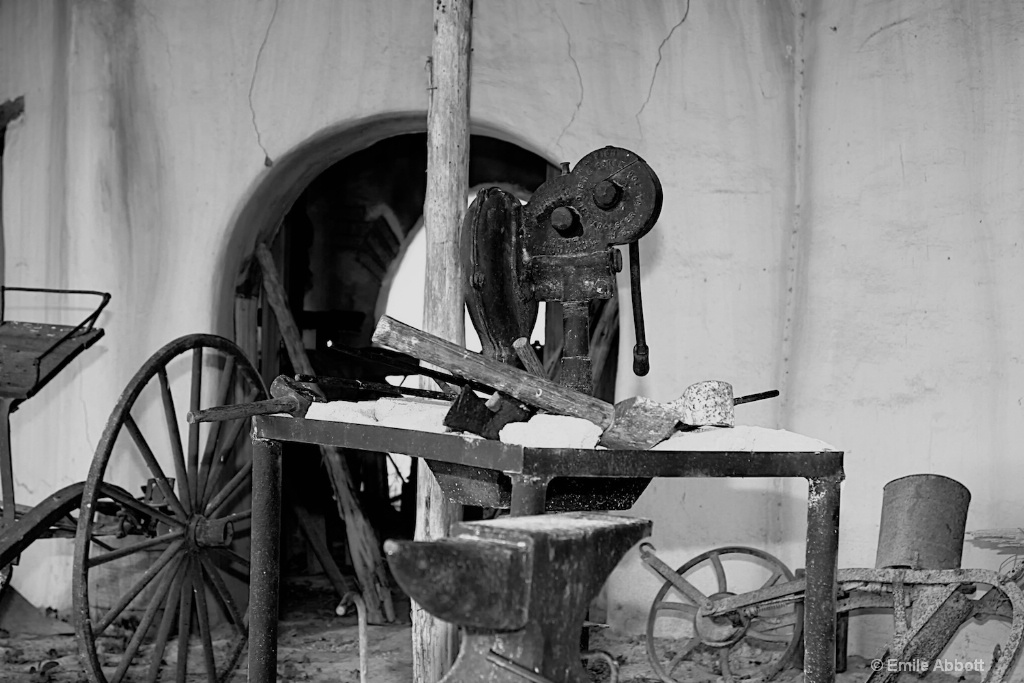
point(907, 347)
point(147, 125)
point(840, 218)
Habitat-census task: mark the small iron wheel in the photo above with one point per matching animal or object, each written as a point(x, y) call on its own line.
point(162, 546)
point(683, 645)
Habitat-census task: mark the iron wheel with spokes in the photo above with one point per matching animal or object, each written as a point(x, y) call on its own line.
point(162, 546)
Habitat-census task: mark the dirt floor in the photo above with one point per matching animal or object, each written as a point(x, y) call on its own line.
point(318, 646)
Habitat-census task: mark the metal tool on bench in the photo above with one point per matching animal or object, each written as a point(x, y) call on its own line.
point(560, 246)
point(294, 396)
point(711, 404)
point(288, 395)
point(519, 586)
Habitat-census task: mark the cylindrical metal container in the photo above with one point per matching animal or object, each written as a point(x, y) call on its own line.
point(923, 521)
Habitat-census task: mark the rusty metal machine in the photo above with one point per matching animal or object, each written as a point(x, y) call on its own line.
point(703, 623)
point(560, 247)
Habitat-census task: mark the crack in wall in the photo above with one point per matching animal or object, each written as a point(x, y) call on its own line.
point(882, 29)
point(579, 78)
point(267, 161)
point(657, 65)
point(85, 413)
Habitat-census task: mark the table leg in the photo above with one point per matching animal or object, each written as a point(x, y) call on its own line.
point(6, 466)
point(529, 494)
point(820, 600)
point(264, 571)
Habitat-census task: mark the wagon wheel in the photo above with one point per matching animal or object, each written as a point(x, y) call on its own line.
point(682, 646)
point(174, 513)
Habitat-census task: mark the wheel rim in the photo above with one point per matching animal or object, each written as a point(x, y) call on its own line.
point(187, 529)
point(734, 647)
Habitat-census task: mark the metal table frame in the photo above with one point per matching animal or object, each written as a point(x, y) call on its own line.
point(531, 470)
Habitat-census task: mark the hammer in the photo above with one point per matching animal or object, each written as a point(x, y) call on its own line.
point(635, 423)
point(289, 396)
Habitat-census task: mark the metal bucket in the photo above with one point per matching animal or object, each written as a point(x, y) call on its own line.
point(923, 521)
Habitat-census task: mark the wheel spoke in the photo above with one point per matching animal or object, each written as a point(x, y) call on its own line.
point(124, 498)
point(723, 661)
point(154, 466)
point(166, 622)
point(231, 554)
point(184, 624)
point(226, 382)
point(193, 429)
point(229, 490)
point(204, 622)
point(682, 654)
point(174, 433)
point(147, 620)
point(101, 544)
point(716, 562)
point(221, 590)
point(771, 580)
point(224, 452)
point(134, 548)
point(166, 556)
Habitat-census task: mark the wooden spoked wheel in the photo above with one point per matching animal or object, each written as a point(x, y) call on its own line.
point(683, 646)
point(162, 547)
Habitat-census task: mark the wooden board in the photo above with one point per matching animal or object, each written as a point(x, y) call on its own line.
point(30, 354)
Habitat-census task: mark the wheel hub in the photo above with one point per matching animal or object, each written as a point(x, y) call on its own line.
point(722, 630)
point(210, 533)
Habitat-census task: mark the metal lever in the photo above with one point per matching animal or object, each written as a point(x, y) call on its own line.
point(641, 352)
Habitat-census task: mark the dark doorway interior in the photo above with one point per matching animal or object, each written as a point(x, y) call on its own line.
point(337, 250)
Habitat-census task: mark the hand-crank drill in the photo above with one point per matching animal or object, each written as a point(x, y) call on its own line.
point(560, 246)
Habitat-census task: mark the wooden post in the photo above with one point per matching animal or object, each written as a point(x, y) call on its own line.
point(433, 641)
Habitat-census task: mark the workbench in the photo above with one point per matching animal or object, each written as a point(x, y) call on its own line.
point(530, 471)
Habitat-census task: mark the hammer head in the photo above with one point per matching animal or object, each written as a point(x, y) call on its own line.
point(303, 393)
point(706, 404)
point(640, 423)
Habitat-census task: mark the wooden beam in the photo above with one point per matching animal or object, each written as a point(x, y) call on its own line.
point(434, 644)
point(362, 540)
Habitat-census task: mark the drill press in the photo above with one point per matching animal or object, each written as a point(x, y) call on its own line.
point(560, 246)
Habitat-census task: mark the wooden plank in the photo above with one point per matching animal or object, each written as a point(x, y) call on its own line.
point(246, 309)
point(529, 389)
point(434, 641)
point(26, 361)
point(362, 540)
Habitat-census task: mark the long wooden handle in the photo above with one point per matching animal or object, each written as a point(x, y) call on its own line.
point(222, 413)
point(530, 361)
point(535, 391)
point(278, 301)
